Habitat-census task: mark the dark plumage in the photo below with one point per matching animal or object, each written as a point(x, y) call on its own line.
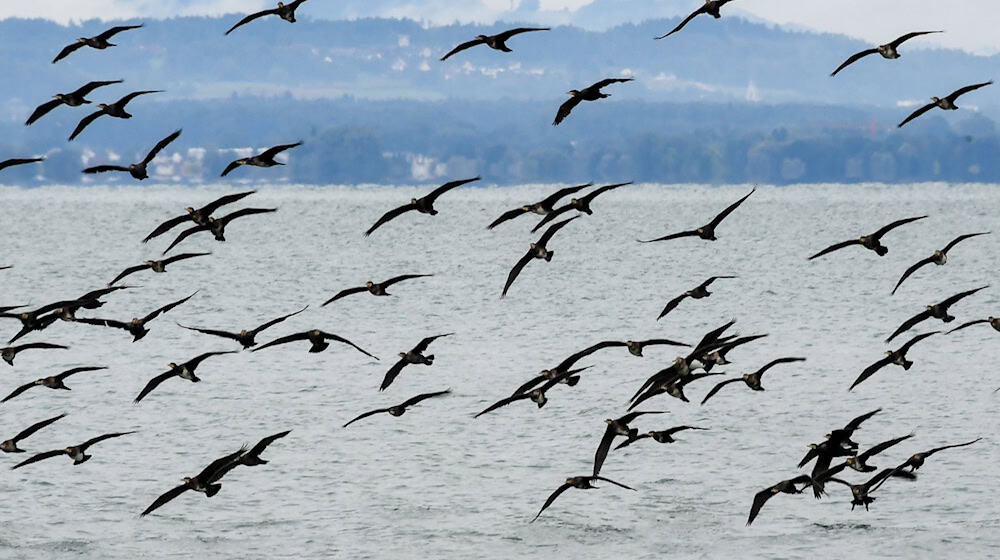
point(252, 458)
point(116, 109)
point(414, 356)
point(199, 216)
point(18, 161)
point(137, 326)
point(752, 380)
point(8, 353)
point(917, 459)
point(711, 7)
point(859, 492)
point(217, 226)
point(946, 103)
point(589, 93)
point(99, 42)
point(939, 257)
point(707, 231)
point(872, 242)
point(137, 170)
point(246, 338)
point(581, 482)
point(10, 446)
point(783, 487)
point(838, 444)
point(937, 311)
point(72, 99)
point(206, 482)
point(617, 427)
point(537, 250)
point(284, 11)
point(541, 207)
point(52, 382)
point(991, 321)
point(156, 266)
point(184, 371)
point(263, 159)
point(375, 288)
point(662, 436)
point(424, 205)
point(897, 357)
point(581, 204)
point(317, 339)
point(495, 42)
point(77, 452)
point(698, 293)
point(399, 409)
point(888, 50)
point(536, 395)
point(860, 461)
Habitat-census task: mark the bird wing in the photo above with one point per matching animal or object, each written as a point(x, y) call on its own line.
point(689, 233)
point(18, 161)
point(164, 498)
point(662, 341)
point(154, 383)
point(942, 448)
point(211, 207)
point(836, 247)
point(67, 50)
point(35, 427)
point(128, 271)
point(504, 402)
point(876, 449)
point(115, 30)
point(595, 477)
point(423, 344)
point(39, 457)
point(423, 396)
point(552, 497)
point(18, 391)
point(878, 234)
point(908, 36)
point(671, 305)
point(911, 270)
point(463, 46)
point(74, 371)
point(708, 282)
point(125, 100)
point(251, 17)
point(566, 108)
point(853, 58)
point(41, 346)
point(211, 473)
point(183, 256)
point(719, 386)
point(917, 113)
point(245, 212)
point(630, 441)
point(392, 374)
point(759, 499)
point(810, 455)
point(770, 365)
point(597, 192)
point(390, 215)
point(271, 152)
point(345, 293)
point(447, 187)
point(856, 423)
point(969, 324)
point(961, 238)
point(104, 323)
point(511, 32)
point(232, 165)
point(508, 215)
point(393, 280)
point(551, 200)
point(262, 444)
point(526, 387)
point(223, 334)
point(159, 146)
point(83, 446)
point(184, 235)
point(91, 86)
point(167, 226)
point(166, 308)
point(273, 322)
point(518, 266)
point(85, 122)
point(105, 169)
point(555, 213)
point(877, 480)
point(283, 340)
point(547, 236)
point(870, 370)
point(830, 472)
point(366, 415)
point(565, 364)
point(701, 10)
point(722, 215)
point(349, 343)
point(42, 109)
point(194, 362)
point(962, 91)
point(903, 349)
point(603, 448)
point(959, 296)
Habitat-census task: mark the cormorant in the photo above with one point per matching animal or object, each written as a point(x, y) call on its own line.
point(205, 482)
point(589, 93)
point(860, 461)
point(8, 353)
point(137, 326)
point(582, 204)
point(939, 257)
point(263, 159)
point(156, 266)
point(536, 395)
point(217, 226)
point(184, 371)
point(872, 242)
point(116, 109)
point(541, 207)
point(537, 250)
point(617, 427)
point(936, 311)
point(424, 205)
point(284, 11)
point(414, 356)
point(917, 459)
point(10, 446)
point(246, 338)
point(581, 482)
point(399, 409)
point(752, 380)
point(137, 170)
point(78, 452)
point(711, 8)
point(897, 357)
point(375, 289)
point(496, 42)
point(707, 231)
point(888, 50)
point(317, 339)
point(199, 216)
point(859, 492)
point(698, 293)
point(783, 487)
point(991, 321)
point(662, 436)
point(252, 458)
point(947, 103)
point(52, 382)
point(72, 99)
point(99, 42)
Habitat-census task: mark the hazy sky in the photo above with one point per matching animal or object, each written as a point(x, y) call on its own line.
point(970, 24)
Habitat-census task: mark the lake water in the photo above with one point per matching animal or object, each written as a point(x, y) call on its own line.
point(434, 483)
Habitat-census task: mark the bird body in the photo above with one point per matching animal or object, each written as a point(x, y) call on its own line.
point(137, 170)
point(284, 11)
point(71, 99)
point(889, 50)
point(945, 103)
point(590, 93)
point(10, 445)
point(116, 109)
point(263, 159)
point(496, 42)
point(100, 42)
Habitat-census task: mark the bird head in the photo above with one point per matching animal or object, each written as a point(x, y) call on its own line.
point(187, 479)
point(402, 354)
point(533, 245)
point(244, 332)
point(929, 307)
point(482, 37)
point(189, 210)
point(526, 208)
point(888, 352)
point(369, 284)
point(609, 421)
point(316, 332)
point(413, 201)
point(813, 445)
point(102, 106)
point(59, 96)
point(281, 4)
point(852, 461)
point(172, 365)
point(935, 99)
point(573, 92)
point(150, 263)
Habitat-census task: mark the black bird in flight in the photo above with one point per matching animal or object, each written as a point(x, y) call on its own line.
point(581, 482)
point(252, 458)
point(582, 204)
point(888, 50)
point(284, 11)
point(199, 216)
point(52, 382)
point(99, 42)
point(496, 42)
point(137, 170)
point(897, 357)
point(536, 395)
point(872, 242)
point(116, 109)
point(263, 159)
point(917, 459)
point(698, 293)
point(541, 207)
point(217, 226)
point(707, 231)
point(946, 103)
point(8, 353)
point(72, 99)
point(661, 436)
point(206, 482)
point(860, 492)
point(617, 427)
point(184, 371)
point(10, 446)
point(424, 205)
point(589, 93)
point(137, 326)
point(374, 288)
point(155, 266)
point(18, 161)
point(991, 321)
point(937, 311)
point(711, 8)
point(317, 339)
point(77, 452)
point(537, 250)
point(414, 356)
point(752, 380)
point(246, 338)
point(399, 409)
point(838, 443)
point(783, 487)
point(860, 461)
point(939, 257)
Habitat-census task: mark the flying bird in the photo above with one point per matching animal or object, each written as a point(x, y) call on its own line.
point(536, 395)
point(872, 242)
point(496, 42)
point(536, 250)
point(581, 482)
point(617, 427)
point(137, 170)
point(560, 375)
point(424, 205)
point(199, 216)
point(116, 109)
point(317, 339)
point(72, 99)
point(18, 161)
point(707, 231)
point(263, 159)
point(8, 353)
point(888, 50)
point(783, 487)
point(184, 371)
point(698, 293)
point(589, 93)
point(936, 311)
point(252, 458)
point(375, 289)
point(752, 380)
point(206, 482)
point(838, 444)
point(52, 382)
point(541, 207)
point(991, 321)
point(897, 357)
point(10, 446)
point(947, 103)
point(939, 257)
point(860, 461)
point(217, 226)
point(77, 452)
point(662, 436)
point(99, 42)
point(582, 204)
point(859, 492)
point(399, 409)
point(137, 326)
point(711, 8)
point(917, 459)
point(155, 266)
point(284, 11)
point(414, 356)
point(246, 338)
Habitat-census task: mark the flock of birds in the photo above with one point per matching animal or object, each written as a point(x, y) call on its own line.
point(702, 357)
